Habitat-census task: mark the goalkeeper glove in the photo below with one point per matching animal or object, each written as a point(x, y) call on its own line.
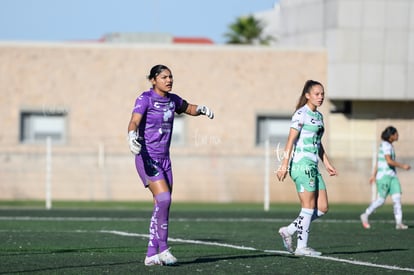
point(134, 145)
point(204, 110)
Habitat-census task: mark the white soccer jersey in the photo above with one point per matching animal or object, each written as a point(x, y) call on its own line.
point(311, 128)
point(383, 169)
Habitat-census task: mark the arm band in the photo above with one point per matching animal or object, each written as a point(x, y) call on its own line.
point(183, 107)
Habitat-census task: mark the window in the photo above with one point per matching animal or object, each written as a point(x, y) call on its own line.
point(341, 106)
point(178, 134)
point(36, 126)
point(274, 128)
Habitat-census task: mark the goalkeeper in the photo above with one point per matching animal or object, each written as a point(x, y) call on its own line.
point(149, 137)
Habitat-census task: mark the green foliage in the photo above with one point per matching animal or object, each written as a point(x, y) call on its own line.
point(247, 30)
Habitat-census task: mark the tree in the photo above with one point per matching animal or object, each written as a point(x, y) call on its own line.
point(247, 30)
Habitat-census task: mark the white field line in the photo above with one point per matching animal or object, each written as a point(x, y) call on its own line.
point(121, 233)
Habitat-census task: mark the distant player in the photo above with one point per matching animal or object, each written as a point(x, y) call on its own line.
point(149, 137)
point(385, 176)
point(303, 149)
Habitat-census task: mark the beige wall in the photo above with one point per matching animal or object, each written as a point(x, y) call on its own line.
point(97, 84)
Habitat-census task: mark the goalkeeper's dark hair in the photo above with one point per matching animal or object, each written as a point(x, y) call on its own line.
point(156, 70)
point(388, 132)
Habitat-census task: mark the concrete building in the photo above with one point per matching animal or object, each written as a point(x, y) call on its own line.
point(369, 43)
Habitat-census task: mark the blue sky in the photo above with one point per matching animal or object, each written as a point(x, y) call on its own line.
point(68, 20)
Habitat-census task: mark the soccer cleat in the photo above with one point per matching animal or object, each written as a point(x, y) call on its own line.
point(167, 258)
point(286, 238)
point(401, 226)
point(307, 251)
point(153, 260)
point(364, 220)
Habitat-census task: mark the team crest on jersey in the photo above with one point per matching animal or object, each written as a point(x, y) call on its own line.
point(167, 115)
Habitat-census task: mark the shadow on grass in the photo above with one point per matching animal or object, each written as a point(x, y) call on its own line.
point(217, 258)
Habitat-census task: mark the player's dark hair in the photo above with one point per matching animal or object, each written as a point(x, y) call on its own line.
point(306, 89)
point(388, 132)
point(156, 70)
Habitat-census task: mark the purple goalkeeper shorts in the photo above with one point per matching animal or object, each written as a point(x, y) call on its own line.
point(151, 169)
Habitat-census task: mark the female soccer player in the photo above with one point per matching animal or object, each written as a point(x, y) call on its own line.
point(149, 138)
point(303, 148)
point(386, 178)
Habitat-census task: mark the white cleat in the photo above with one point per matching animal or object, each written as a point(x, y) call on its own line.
point(307, 251)
point(364, 221)
point(286, 238)
point(153, 260)
point(401, 226)
point(167, 258)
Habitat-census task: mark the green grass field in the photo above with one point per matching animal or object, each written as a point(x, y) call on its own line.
point(111, 238)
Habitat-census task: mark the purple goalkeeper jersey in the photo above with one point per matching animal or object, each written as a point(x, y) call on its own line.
point(157, 121)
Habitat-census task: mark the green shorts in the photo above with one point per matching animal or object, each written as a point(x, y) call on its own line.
point(306, 177)
point(388, 185)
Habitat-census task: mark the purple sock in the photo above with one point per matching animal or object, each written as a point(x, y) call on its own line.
point(163, 201)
